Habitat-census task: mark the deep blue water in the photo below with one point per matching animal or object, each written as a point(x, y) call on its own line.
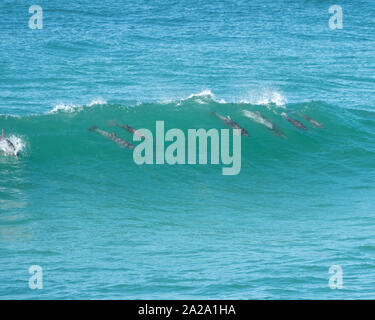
point(102, 227)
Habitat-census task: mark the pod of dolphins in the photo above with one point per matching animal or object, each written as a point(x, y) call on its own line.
point(8, 147)
point(254, 116)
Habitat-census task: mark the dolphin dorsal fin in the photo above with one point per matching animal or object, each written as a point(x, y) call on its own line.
point(228, 117)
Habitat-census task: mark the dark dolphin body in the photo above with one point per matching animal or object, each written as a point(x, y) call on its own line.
point(231, 124)
point(10, 145)
point(259, 118)
point(294, 122)
point(279, 132)
point(312, 121)
point(125, 127)
point(122, 143)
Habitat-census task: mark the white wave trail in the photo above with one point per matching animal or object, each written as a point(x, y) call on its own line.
point(72, 107)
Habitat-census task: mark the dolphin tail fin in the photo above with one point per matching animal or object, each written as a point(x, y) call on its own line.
point(112, 123)
point(93, 128)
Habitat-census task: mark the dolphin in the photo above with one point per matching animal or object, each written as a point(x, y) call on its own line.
point(122, 143)
point(133, 131)
point(230, 123)
point(10, 148)
point(294, 122)
point(315, 123)
point(257, 117)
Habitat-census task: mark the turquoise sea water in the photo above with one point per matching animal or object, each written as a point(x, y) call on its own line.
point(102, 227)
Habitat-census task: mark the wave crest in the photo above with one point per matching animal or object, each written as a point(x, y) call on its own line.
point(267, 98)
point(61, 107)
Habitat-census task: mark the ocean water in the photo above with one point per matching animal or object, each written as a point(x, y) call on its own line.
point(102, 227)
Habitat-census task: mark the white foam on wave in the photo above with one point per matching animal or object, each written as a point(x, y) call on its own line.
point(63, 107)
point(96, 101)
point(204, 93)
point(6, 116)
point(18, 143)
point(202, 97)
point(73, 107)
point(266, 98)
